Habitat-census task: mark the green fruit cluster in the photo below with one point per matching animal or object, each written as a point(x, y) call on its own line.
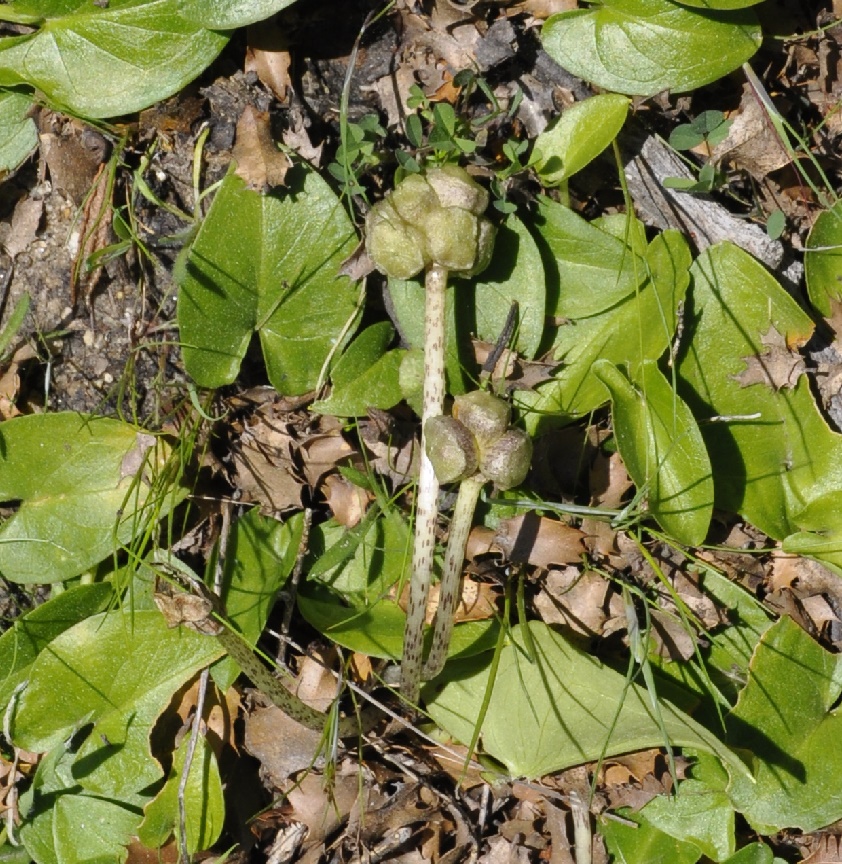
point(477, 438)
point(431, 219)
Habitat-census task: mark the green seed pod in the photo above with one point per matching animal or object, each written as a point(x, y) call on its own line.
point(431, 219)
point(506, 461)
point(395, 246)
point(454, 187)
point(451, 448)
point(487, 416)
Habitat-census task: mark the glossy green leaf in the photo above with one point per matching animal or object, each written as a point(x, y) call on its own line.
point(642, 843)
point(267, 264)
point(259, 559)
point(479, 307)
point(755, 853)
point(662, 449)
point(773, 452)
point(788, 719)
point(230, 14)
point(18, 135)
point(80, 828)
point(365, 568)
point(719, 4)
point(83, 487)
point(366, 376)
point(31, 633)
point(641, 47)
point(144, 49)
point(559, 710)
point(582, 132)
point(204, 805)
point(596, 269)
point(115, 671)
point(823, 260)
point(377, 629)
point(636, 329)
point(697, 814)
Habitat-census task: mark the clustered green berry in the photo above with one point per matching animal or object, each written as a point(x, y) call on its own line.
point(431, 219)
point(478, 438)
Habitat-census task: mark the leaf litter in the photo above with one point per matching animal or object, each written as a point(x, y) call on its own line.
point(283, 459)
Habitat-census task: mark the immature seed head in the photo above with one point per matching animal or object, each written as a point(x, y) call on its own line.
point(506, 462)
point(435, 218)
point(487, 416)
point(451, 448)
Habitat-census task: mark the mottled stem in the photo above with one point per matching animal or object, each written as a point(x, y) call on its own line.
point(426, 508)
point(451, 577)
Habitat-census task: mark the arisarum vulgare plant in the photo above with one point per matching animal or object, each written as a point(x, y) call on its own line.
point(432, 222)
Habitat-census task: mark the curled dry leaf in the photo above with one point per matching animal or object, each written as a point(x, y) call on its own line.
point(267, 55)
point(539, 541)
point(346, 501)
point(579, 601)
point(259, 161)
point(752, 142)
point(777, 367)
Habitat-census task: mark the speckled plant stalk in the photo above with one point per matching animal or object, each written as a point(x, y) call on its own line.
point(205, 616)
point(426, 506)
point(451, 576)
point(431, 222)
point(475, 446)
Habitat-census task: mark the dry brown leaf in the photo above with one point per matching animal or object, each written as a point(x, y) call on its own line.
point(282, 746)
point(539, 540)
point(95, 233)
point(323, 807)
point(10, 381)
point(823, 849)
point(346, 501)
point(609, 480)
point(575, 600)
point(265, 467)
point(321, 452)
point(73, 152)
point(259, 161)
point(777, 367)
point(26, 219)
point(542, 9)
point(267, 55)
point(752, 142)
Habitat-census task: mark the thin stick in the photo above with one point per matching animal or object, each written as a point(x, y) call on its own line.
point(451, 577)
point(426, 508)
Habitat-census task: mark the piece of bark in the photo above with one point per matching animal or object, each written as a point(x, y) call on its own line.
point(648, 162)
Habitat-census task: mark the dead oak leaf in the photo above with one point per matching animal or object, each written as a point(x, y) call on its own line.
point(259, 161)
point(777, 367)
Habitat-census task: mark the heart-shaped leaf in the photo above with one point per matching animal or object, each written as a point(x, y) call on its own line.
point(267, 264)
point(204, 805)
point(229, 14)
point(83, 484)
point(115, 671)
point(641, 47)
point(144, 49)
point(31, 633)
point(772, 452)
point(788, 717)
point(560, 708)
point(638, 328)
point(365, 376)
point(823, 260)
